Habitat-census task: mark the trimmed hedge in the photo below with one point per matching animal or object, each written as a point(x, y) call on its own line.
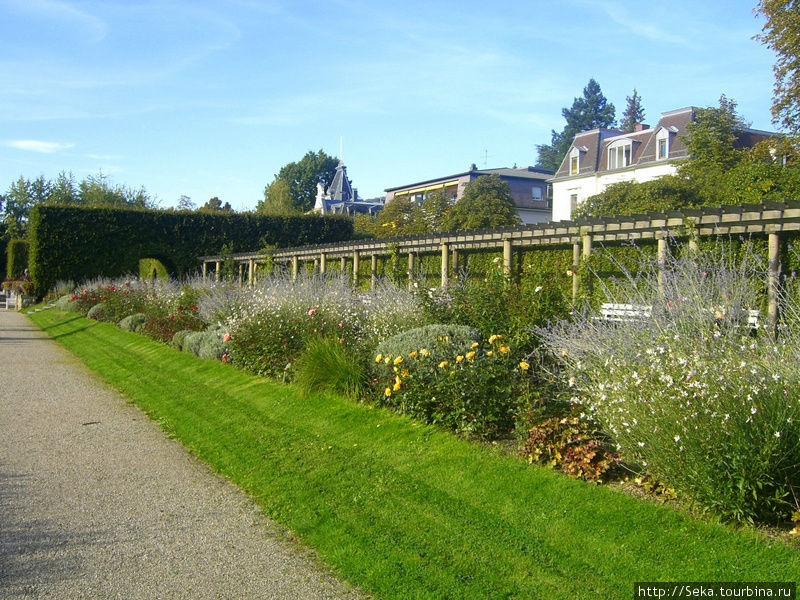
point(17, 258)
point(79, 243)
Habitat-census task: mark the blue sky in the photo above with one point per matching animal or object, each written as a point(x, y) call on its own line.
point(198, 98)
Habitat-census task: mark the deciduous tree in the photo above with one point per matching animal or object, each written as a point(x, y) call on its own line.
point(486, 203)
point(302, 178)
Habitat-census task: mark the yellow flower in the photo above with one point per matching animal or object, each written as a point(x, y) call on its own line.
point(503, 348)
point(474, 345)
point(397, 383)
point(387, 360)
point(387, 392)
point(524, 365)
point(404, 373)
point(490, 353)
point(379, 358)
point(424, 352)
point(444, 364)
point(412, 354)
point(470, 355)
point(398, 360)
point(459, 358)
point(494, 338)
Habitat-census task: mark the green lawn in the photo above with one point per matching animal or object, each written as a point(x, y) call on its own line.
point(403, 510)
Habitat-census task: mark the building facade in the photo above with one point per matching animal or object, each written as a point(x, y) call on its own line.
point(601, 157)
point(342, 198)
point(529, 187)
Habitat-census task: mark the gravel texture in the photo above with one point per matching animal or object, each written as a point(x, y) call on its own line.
point(96, 501)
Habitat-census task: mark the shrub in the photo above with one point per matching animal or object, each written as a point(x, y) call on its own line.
point(98, 312)
point(443, 341)
point(17, 258)
point(179, 339)
point(67, 303)
point(212, 346)
point(133, 322)
point(570, 441)
point(477, 393)
point(688, 394)
point(325, 365)
point(192, 342)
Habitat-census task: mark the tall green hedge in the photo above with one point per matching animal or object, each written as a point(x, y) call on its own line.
point(78, 243)
point(17, 258)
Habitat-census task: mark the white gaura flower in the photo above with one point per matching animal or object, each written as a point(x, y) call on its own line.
point(777, 434)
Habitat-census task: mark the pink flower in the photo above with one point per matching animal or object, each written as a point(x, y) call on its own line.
point(341, 324)
point(224, 358)
point(312, 312)
point(226, 337)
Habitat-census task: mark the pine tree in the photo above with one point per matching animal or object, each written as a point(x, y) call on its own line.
point(590, 111)
point(634, 113)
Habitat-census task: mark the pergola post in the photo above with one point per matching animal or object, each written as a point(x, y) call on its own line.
point(322, 263)
point(445, 264)
point(576, 263)
point(454, 264)
point(205, 270)
point(373, 271)
point(356, 267)
point(507, 257)
point(661, 259)
point(251, 279)
point(241, 274)
point(773, 282)
point(410, 270)
point(295, 267)
point(217, 274)
point(343, 263)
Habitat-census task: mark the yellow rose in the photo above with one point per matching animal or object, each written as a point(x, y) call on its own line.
point(444, 364)
point(459, 358)
point(379, 358)
point(470, 355)
point(474, 345)
point(412, 354)
point(524, 365)
point(398, 360)
point(387, 392)
point(404, 373)
point(490, 353)
point(387, 360)
point(503, 348)
point(424, 352)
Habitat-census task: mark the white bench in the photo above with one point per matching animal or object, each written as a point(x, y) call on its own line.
point(625, 312)
point(639, 312)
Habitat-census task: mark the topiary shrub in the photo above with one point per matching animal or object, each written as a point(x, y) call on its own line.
point(212, 346)
point(67, 303)
point(442, 341)
point(179, 339)
point(192, 342)
point(133, 322)
point(98, 312)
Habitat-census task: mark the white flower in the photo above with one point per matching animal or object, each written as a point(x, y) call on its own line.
point(777, 434)
point(753, 410)
point(537, 289)
point(677, 438)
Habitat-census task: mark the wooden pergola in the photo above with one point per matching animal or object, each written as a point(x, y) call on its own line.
point(770, 219)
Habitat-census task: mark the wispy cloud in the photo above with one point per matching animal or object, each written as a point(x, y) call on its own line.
point(38, 146)
point(66, 14)
point(638, 24)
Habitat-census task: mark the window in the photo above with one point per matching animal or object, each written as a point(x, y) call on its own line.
point(536, 193)
point(619, 156)
point(662, 145)
point(573, 204)
point(573, 165)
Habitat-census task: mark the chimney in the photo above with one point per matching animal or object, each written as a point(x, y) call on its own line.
point(641, 127)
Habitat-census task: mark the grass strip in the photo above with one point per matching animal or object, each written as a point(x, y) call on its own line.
point(403, 510)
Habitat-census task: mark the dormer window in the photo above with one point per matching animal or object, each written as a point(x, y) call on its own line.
point(574, 161)
point(619, 155)
point(662, 144)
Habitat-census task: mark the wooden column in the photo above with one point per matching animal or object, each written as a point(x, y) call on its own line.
point(773, 282)
point(241, 273)
point(585, 255)
point(205, 270)
point(356, 267)
point(344, 265)
point(217, 273)
point(323, 263)
point(454, 262)
point(662, 262)
point(373, 271)
point(507, 257)
point(576, 263)
point(295, 267)
point(251, 275)
point(445, 264)
point(410, 270)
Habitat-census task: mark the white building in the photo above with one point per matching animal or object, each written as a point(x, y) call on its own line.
point(601, 157)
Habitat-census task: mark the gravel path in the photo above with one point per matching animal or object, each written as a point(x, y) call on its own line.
point(96, 502)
